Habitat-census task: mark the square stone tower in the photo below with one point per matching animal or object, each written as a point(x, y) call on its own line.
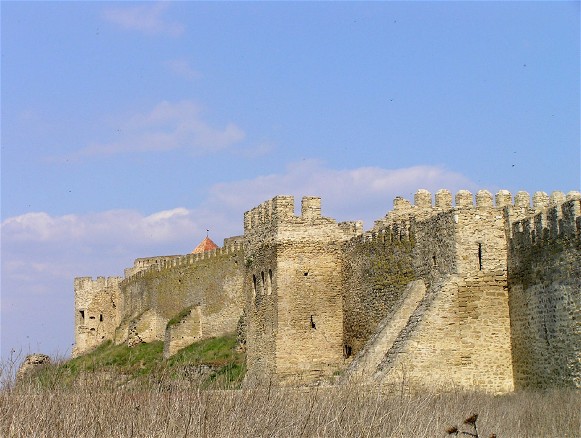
point(293, 286)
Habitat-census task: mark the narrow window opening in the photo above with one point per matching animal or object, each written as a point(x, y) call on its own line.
point(263, 283)
point(82, 312)
point(91, 317)
point(313, 325)
point(347, 351)
point(269, 289)
point(306, 273)
point(101, 317)
point(480, 256)
point(434, 260)
point(253, 286)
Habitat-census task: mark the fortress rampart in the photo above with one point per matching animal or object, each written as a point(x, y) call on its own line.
point(469, 291)
point(545, 282)
point(157, 289)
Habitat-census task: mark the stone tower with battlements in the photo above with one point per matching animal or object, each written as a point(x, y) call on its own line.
point(294, 290)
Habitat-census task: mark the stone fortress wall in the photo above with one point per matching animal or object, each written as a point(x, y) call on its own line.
point(545, 283)
point(476, 295)
point(157, 290)
point(448, 324)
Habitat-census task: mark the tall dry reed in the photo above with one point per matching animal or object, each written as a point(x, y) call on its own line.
point(96, 406)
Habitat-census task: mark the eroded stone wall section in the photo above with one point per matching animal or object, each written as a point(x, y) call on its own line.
point(97, 313)
point(183, 330)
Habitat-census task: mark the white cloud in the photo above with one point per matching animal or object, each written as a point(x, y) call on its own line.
point(168, 126)
point(115, 227)
point(144, 18)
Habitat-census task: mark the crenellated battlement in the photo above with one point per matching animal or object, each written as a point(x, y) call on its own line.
point(392, 232)
point(184, 260)
point(281, 210)
point(143, 263)
point(88, 284)
point(275, 210)
point(425, 205)
point(560, 218)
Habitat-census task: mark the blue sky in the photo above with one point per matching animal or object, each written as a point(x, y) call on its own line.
point(128, 129)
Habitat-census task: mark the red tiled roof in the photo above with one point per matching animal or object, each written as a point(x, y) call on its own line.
point(205, 245)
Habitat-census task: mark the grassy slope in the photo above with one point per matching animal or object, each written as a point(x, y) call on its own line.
point(212, 362)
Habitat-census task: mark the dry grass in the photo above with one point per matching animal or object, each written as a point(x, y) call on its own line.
point(172, 408)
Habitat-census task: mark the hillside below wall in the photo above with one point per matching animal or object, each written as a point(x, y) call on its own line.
point(545, 311)
point(214, 283)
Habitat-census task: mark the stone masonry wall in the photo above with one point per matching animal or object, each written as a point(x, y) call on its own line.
point(545, 295)
point(310, 313)
point(458, 337)
point(183, 330)
point(459, 334)
point(483, 294)
point(380, 264)
point(261, 312)
point(377, 267)
point(212, 280)
point(462, 329)
point(96, 311)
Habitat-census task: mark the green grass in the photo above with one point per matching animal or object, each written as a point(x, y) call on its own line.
point(227, 364)
point(212, 361)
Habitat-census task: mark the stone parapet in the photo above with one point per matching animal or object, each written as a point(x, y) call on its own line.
point(163, 264)
point(562, 220)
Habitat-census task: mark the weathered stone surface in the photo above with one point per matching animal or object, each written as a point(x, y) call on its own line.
point(183, 330)
point(544, 267)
